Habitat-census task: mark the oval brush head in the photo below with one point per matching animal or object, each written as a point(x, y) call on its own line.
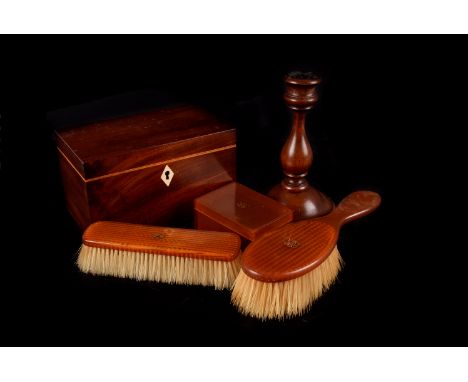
point(286, 270)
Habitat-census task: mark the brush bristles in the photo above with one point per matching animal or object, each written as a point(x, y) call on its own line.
point(284, 299)
point(161, 268)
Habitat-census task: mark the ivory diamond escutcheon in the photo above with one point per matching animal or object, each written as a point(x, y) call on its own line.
point(167, 175)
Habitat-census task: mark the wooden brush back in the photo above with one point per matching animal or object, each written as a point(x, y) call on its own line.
point(297, 248)
point(290, 251)
point(217, 246)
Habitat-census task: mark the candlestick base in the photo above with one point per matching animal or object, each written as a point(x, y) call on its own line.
point(306, 204)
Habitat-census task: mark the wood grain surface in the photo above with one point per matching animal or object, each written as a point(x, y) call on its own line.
point(294, 191)
point(240, 209)
point(297, 248)
point(219, 246)
point(116, 145)
point(111, 170)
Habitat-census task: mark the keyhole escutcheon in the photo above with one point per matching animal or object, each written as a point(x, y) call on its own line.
point(166, 175)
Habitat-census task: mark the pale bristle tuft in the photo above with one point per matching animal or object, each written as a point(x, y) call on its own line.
point(160, 268)
point(285, 299)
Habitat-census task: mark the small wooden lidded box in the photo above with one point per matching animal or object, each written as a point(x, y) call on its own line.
point(239, 209)
point(146, 168)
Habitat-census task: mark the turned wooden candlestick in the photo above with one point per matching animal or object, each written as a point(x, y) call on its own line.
point(296, 157)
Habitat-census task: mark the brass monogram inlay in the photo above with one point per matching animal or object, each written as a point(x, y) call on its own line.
point(241, 204)
point(290, 243)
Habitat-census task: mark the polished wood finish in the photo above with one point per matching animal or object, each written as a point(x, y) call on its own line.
point(296, 248)
point(121, 144)
point(296, 155)
point(112, 169)
point(75, 193)
point(216, 246)
point(239, 209)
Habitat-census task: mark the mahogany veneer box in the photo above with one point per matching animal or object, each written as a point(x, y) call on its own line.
point(146, 168)
point(237, 208)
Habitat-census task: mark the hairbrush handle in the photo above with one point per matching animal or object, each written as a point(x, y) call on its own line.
point(354, 206)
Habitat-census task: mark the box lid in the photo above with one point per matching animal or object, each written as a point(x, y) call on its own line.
point(243, 210)
point(132, 142)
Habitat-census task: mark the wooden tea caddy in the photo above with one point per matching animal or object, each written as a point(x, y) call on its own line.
point(145, 168)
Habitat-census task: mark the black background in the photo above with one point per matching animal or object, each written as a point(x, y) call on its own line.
point(388, 119)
